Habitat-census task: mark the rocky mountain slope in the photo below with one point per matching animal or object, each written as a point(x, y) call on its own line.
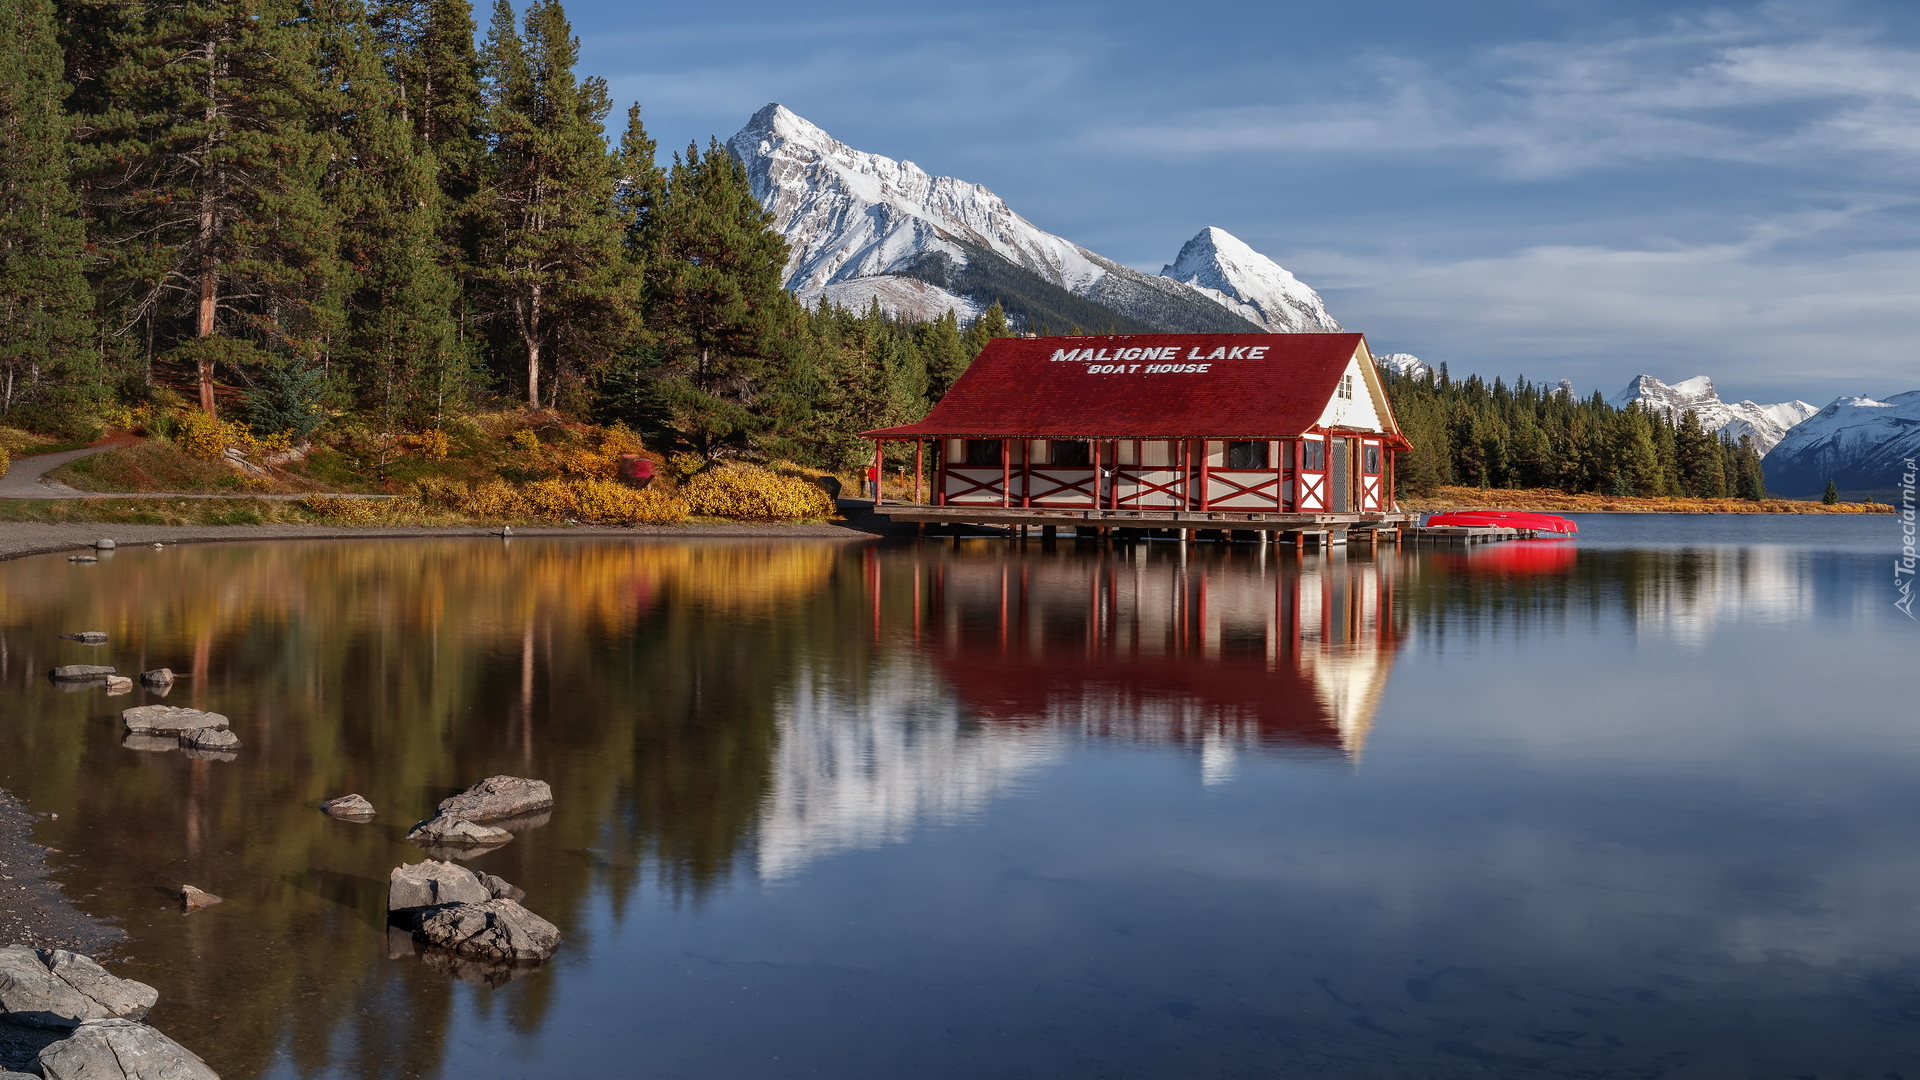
point(1859, 443)
point(863, 227)
point(1767, 424)
point(1220, 266)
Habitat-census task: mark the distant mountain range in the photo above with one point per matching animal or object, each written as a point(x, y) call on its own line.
point(1766, 424)
point(1861, 444)
point(862, 227)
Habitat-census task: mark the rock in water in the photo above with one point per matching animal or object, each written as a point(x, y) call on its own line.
point(83, 558)
point(197, 899)
point(121, 1050)
point(349, 807)
point(58, 989)
point(79, 673)
point(88, 637)
point(210, 739)
point(433, 883)
point(169, 720)
point(452, 831)
point(499, 797)
point(119, 684)
point(500, 888)
point(103, 544)
point(495, 930)
point(157, 677)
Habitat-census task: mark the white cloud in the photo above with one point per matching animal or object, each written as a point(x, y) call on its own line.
point(1771, 313)
point(1771, 86)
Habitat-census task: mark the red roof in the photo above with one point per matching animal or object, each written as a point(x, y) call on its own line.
point(1143, 386)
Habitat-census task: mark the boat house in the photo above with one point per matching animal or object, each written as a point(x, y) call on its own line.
point(1267, 431)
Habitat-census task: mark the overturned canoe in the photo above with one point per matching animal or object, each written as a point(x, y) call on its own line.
point(1506, 519)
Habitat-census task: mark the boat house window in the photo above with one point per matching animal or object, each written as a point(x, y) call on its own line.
point(1246, 455)
point(1068, 452)
point(1371, 460)
point(983, 451)
point(1346, 387)
point(1313, 456)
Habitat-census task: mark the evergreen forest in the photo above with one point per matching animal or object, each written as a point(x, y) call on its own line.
point(366, 216)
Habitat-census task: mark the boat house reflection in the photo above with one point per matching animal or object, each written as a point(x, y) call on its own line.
point(1223, 654)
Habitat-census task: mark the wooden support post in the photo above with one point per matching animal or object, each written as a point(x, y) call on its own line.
point(879, 469)
point(919, 457)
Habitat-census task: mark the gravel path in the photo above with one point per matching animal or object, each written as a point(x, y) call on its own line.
point(26, 477)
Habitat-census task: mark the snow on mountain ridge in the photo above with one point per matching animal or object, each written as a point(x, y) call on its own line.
point(1766, 424)
point(849, 214)
point(1221, 266)
point(1406, 364)
point(1860, 443)
point(858, 225)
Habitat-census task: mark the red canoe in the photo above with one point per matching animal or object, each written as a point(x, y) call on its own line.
point(1506, 519)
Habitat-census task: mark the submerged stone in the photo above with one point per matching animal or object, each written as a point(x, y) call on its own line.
point(350, 807)
point(79, 673)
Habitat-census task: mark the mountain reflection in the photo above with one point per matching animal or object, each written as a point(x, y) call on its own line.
point(704, 712)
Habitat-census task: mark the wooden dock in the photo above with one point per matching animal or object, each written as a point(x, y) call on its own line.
point(1316, 529)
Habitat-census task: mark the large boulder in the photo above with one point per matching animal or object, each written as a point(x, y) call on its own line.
point(495, 930)
point(433, 883)
point(58, 989)
point(169, 720)
point(121, 1050)
point(499, 797)
point(79, 673)
point(157, 677)
point(447, 831)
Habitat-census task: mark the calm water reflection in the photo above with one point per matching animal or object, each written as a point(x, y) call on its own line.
point(1630, 808)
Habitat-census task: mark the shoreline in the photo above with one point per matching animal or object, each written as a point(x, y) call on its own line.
point(33, 909)
point(20, 539)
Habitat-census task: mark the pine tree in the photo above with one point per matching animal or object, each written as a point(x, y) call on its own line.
point(991, 324)
point(46, 326)
point(401, 350)
point(1832, 495)
point(723, 325)
point(943, 354)
point(207, 182)
point(552, 256)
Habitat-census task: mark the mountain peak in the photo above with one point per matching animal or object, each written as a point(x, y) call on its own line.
point(1766, 424)
point(861, 227)
point(1221, 266)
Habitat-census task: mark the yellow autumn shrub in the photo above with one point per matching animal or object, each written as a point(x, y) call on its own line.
point(344, 511)
point(6, 461)
point(754, 495)
point(603, 501)
point(201, 436)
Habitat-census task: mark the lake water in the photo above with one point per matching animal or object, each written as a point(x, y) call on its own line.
point(1640, 805)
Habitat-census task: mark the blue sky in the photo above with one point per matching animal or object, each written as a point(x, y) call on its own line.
point(1565, 188)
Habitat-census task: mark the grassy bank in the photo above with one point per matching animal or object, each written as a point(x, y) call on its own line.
point(1548, 499)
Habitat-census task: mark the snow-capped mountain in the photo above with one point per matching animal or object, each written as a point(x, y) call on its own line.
point(1767, 424)
point(1861, 444)
point(1405, 364)
point(1222, 267)
point(862, 227)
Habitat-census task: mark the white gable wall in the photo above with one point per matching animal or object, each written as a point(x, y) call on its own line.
point(1363, 411)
